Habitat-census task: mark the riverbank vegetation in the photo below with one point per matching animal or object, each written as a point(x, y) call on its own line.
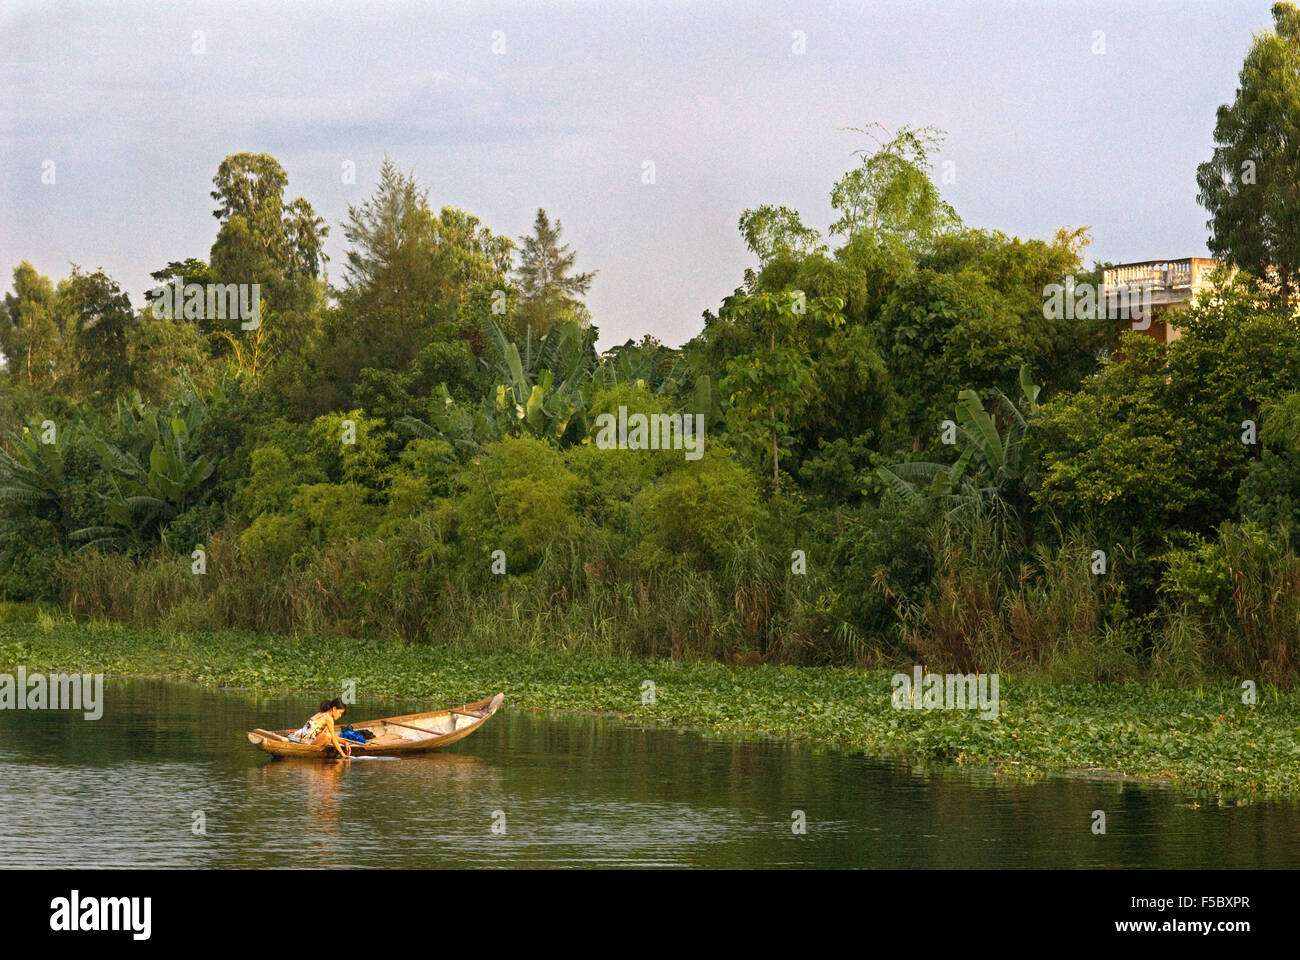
point(1200, 739)
point(907, 458)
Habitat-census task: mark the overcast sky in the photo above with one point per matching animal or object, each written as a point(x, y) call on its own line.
point(1042, 131)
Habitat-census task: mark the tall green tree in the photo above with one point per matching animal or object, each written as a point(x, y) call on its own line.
point(776, 231)
point(1251, 184)
point(391, 234)
point(549, 289)
point(418, 286)
point(768, 386)
point(940, 332)
point(102, 322)
point(31, 330)
point(263, 239)
point(890, 193)
point(403, 256)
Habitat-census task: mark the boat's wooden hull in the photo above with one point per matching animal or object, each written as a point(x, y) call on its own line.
point(407, 734)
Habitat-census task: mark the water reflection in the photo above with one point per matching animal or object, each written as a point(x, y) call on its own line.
point(562, 791)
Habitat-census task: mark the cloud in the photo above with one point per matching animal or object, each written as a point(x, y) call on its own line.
point(1043, 133)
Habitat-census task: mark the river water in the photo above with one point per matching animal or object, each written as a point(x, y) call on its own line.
point(533, 789)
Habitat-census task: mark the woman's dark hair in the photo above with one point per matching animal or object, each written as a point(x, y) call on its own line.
point(335, 704)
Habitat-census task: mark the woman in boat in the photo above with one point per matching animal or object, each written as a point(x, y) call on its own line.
point(319, 730)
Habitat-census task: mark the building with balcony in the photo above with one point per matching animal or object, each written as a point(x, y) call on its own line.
point(1170, 286)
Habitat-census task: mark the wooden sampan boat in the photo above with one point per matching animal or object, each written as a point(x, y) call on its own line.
point(410, 733)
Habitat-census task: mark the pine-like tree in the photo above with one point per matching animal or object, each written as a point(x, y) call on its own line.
point(549, 290)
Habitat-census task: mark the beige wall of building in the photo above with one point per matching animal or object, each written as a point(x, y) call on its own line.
point(1173, 284)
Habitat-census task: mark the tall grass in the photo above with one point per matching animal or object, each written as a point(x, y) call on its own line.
point(997, 604)
point(994, 604)
point(583, 597)
point(1254, 631)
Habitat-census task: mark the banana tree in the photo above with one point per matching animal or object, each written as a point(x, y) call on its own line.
point(661, 370)
point(540, 389)
point(992, 463)
point(32, 478)
point(155, 470)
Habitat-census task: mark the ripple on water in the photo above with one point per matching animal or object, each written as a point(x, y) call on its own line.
point(549, 790)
